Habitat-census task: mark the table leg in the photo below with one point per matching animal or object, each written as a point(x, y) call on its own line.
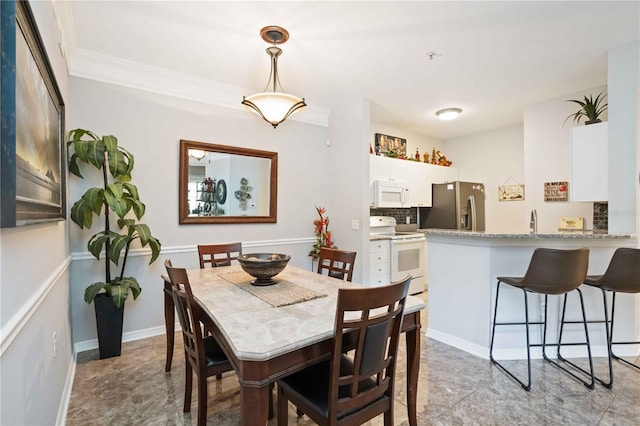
point(413, 367)
point(254, 401)
point(169, 324)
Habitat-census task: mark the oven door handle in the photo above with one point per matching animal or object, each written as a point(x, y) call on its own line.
point(408, 240)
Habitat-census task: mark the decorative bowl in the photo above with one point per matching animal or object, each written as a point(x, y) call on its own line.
point(263, 266)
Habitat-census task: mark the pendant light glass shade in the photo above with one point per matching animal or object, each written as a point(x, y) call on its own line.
point(273, 107)
point(272, 104)
point(198, 154)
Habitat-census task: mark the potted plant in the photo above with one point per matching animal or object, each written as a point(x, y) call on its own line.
point(322, 234)
point(590, 109)
point(116, 196)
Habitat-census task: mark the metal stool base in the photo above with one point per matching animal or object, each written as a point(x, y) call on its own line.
point(589, 384)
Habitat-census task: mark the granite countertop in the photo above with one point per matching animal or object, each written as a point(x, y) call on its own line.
point(525, 235)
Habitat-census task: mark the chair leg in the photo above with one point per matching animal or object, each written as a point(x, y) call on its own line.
point(283, 408)
point(188, 385)
point(608, 332)
point(526, 387)
point(169, 321)
point(271, 413)
point(590, 384)
point(614, 356)
point(202, 400)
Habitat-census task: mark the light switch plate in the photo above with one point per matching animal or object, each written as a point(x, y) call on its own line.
point(355, 224)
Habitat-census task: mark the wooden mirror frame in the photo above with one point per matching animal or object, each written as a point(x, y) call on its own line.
point(183, 209)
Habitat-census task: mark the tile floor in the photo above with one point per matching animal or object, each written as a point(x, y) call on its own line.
point(455, 388)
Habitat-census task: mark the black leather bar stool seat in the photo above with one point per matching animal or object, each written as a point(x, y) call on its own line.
point(550, 272)
point(622, 276)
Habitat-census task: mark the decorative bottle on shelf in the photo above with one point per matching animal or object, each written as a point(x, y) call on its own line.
point(433, 156)
point(426, 157)
point(417, 157)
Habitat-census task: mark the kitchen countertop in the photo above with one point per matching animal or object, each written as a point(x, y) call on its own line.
point(523, 235)
point(379, 237)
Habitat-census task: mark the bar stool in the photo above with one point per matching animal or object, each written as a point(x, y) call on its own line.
point(550, 272)
point(622, 276)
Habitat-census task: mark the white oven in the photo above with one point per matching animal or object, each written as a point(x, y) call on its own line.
point(409, 256)
point(408, 252)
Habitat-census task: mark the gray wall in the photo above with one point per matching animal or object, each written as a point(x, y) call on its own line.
point(34, 297)
point(151, 126)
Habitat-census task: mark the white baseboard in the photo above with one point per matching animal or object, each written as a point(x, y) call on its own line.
point(458, 343)
point(87, 345)
point(63, 408)
point(536, 353)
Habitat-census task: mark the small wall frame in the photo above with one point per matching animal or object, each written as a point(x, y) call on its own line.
point(511, 193)
point(556, 191)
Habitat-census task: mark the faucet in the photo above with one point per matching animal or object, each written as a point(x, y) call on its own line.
point(533, 224)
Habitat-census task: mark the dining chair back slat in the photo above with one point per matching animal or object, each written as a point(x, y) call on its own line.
point(336, 263)
point(218, 254)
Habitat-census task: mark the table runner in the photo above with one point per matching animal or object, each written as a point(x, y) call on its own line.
point(282, 293)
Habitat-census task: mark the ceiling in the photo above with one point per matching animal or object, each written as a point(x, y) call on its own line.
point(491, 58)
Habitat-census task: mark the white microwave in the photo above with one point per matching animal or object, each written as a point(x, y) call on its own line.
point(390, 193)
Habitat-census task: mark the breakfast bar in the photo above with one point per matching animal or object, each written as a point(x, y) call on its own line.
point(462, 271)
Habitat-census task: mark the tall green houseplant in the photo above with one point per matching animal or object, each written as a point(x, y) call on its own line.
point(117, 196)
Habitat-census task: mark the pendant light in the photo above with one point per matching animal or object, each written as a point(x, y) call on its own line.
point(198, 154)
point(273, 105)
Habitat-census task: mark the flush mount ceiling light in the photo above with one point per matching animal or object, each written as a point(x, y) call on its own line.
point(448, 113)
point(272, 104)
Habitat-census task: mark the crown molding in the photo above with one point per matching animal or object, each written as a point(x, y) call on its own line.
point(134, 75)
point(66, 28)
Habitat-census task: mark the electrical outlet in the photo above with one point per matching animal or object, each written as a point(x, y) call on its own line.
point(55, 344)
point(355, 224)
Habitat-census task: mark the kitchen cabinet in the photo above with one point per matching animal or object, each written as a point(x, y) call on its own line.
point(380, 262)
point(418, 176)
point(589, 163)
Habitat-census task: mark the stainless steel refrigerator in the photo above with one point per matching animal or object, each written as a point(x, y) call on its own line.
point(456, 205)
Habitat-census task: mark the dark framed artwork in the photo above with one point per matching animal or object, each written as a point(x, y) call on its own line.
point(390, 146)
point(33, 160)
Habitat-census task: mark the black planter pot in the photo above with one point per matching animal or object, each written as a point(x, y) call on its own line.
point(597, 120)
point(109, 324)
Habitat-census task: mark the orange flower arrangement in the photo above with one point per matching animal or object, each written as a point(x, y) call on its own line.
point(322, 233)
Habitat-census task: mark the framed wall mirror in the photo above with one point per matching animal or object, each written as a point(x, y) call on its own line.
point(227, 184)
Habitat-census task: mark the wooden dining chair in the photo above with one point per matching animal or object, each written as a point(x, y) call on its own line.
point(211, 254)
point(352, 388)
point(336, 263)
point(218, 254)
point(203, 355)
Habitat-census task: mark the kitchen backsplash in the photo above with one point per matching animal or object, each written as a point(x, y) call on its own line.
point(600, 216)
point(400, 214)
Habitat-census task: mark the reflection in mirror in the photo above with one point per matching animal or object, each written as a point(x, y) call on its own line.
point(225, 184)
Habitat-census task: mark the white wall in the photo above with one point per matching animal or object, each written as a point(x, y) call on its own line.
point(494, 158)
point(547, 154)
point(34, 302)
point(624, 137)
point(348, 175)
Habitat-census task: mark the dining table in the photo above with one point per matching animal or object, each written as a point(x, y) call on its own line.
point(269, 332)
